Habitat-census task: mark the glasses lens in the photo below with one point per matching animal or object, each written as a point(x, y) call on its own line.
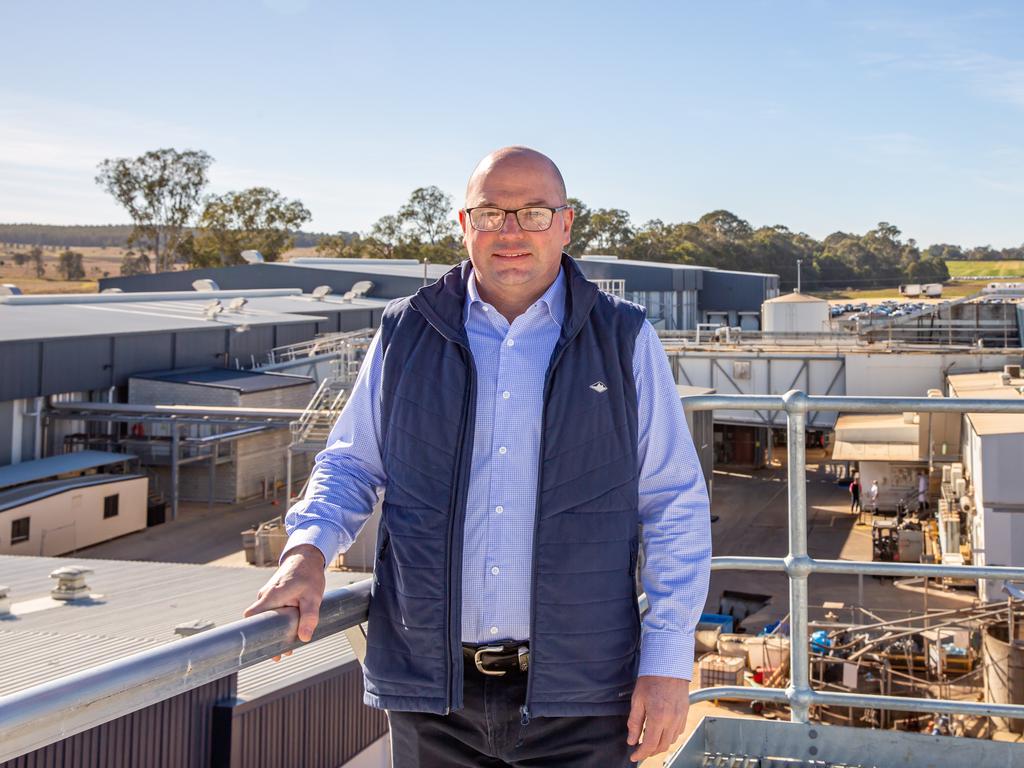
point(534, 219)
point(487, 219)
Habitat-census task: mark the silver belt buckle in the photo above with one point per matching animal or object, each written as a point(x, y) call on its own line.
point(479, 662)
point(524, 658)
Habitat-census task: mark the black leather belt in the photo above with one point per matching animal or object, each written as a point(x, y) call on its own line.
point(497, 659)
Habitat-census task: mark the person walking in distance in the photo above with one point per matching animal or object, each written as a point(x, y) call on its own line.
point(855, 493)
point(524, 426)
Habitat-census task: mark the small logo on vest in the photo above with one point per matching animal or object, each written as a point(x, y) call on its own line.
point(600, 387)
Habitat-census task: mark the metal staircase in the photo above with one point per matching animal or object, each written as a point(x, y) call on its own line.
point(311, 430)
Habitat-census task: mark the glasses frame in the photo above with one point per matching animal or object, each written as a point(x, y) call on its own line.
point(506, 211)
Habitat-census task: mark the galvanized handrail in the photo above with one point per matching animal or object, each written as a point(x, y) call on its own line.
point(37, 716)
point(799, 565)
point(41, 715)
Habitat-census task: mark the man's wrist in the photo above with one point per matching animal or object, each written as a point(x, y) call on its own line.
point(308, 553)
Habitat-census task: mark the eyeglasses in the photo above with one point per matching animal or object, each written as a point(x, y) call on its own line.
point(532, 219)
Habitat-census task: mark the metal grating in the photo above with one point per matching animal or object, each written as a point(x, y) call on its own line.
point(719, 760)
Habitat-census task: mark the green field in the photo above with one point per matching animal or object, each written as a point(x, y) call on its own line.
point(1008, 268)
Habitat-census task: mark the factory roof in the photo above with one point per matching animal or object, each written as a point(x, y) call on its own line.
point(27, 318)
point(398, 267)
point(228, 378)
point(41, 469)
point(135, 606)
point(989, 385)
point(23, 494)
point(876, 437)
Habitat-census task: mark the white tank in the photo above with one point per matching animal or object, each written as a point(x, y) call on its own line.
point(795, 313)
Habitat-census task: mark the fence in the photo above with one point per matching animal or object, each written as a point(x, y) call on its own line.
point(34, 717)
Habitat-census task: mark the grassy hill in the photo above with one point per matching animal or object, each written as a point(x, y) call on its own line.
point(1009, 268)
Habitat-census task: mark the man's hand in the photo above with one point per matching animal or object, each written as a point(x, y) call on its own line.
point(297, 583)
point(662, 702)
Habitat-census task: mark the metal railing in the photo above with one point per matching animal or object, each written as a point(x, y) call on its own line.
point(798, 565)
point(35, 717)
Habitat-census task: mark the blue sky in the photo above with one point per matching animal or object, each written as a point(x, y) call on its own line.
point(817, 115)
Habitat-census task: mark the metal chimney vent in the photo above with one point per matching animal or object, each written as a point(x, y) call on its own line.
point(70, 582)
point(189, 628)
point(5, 601)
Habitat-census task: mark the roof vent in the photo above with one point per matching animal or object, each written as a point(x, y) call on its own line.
point(70, 582)
point(111, 290)
point(204, 285)
point(5, 601)
point(9, 289)
point(211, 310)
point(189, 628)
point(235, 305)
point(252, 257)
point(320, 292)
point(1012, 370)
point(358, 290)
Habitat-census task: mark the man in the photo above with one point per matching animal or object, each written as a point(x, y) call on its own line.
point(922, 491)
point(874, 497)
point(855, 493)
point(522, 424)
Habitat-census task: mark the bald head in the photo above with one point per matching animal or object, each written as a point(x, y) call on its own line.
point(524, 161)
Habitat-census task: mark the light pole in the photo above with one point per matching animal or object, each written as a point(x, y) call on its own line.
point(798, 275)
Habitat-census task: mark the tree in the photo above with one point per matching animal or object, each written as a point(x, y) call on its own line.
point(35, 256)
point(259, 219)
point(132, 264)
point(161, 191)
point(69, 265)
point(428, 215)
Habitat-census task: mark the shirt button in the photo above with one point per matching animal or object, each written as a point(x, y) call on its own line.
point(506, 394)
point(499, 509)
point(511, 342)
point(494, 630)
point(495, 570)
point(503, 450)
point(487, 309)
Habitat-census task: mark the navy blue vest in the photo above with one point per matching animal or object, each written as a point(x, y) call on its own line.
point(585, 635)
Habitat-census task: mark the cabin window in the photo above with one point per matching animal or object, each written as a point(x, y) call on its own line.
point(110, 506)
point(19, 529)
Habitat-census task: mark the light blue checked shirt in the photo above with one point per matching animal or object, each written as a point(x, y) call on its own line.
point(511, 361)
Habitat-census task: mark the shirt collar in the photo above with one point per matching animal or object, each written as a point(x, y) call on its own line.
point(553, 298)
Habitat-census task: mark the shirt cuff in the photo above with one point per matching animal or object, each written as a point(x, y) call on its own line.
point(324, 537)
point(667, 654)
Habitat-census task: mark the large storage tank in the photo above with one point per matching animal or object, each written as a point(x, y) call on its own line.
point(795, 313)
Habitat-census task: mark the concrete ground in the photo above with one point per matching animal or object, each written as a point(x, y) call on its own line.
point(200, 535)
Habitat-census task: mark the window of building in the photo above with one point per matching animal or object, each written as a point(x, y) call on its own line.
point(110, 506)
point(19, 530)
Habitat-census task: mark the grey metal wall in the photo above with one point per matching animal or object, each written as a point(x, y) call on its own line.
point(269, 276)
point(176, 733)
point(649, 276)
point(319, 723)
point(53, 366)
point(736, 291)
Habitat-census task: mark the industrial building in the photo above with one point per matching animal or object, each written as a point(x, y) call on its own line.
point(677, 296)
point(59, 617)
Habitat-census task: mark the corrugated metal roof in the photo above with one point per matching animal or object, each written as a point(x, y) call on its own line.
point(135, 606)
point(876, 437)
point(36, 491)
point(39, 469)
point(58, 321)
point(401, 268)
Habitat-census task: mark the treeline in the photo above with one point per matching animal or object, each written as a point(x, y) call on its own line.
point(99, 235)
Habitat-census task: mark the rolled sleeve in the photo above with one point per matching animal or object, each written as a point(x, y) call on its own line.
point(675, 515)
point(348, 472)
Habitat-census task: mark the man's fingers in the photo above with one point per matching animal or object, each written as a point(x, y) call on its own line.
point(649, 747)
point(309, 617)
point(635, 722)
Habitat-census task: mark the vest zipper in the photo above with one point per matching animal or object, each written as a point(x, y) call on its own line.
point(525, 709)
point(458, 511)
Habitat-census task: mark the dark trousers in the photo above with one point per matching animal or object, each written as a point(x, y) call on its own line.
point(488, 733)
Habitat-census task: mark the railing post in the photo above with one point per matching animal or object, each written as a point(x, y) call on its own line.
point(797, 561)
